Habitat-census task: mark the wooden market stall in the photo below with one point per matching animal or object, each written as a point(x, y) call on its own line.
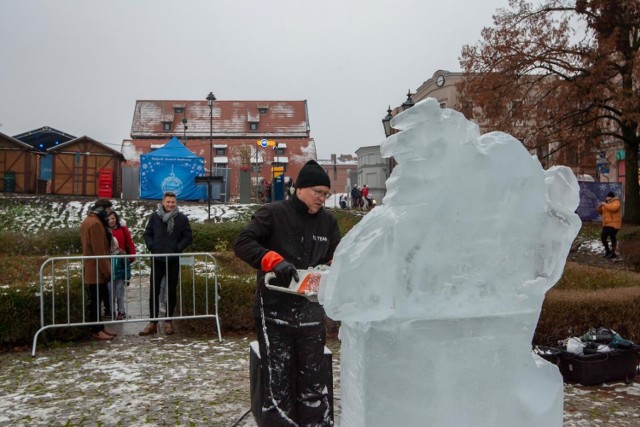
point(18, 166)
point(84, 166)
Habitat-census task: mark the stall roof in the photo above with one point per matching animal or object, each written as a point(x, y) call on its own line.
point(44, 138)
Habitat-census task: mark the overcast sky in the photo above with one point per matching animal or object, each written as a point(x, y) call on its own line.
point(80, 65)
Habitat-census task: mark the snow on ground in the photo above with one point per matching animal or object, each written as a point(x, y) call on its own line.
point(593, 246)
point(182, 380)
point(47, 213)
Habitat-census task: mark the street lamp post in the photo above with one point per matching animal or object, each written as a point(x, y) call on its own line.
point(409, 102)
point(210, 100)
point(386, 123)
point(184, 132)
point(388, 131)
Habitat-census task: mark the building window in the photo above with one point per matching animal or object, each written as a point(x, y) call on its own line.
point(262, 110)
point(220, 165)
point(166, 125)
point(221, 151)
point(178, 110)
point(253, 126)
point(280, 151)
point(443, 105)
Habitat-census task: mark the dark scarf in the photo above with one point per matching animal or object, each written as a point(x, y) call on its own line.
point(102, 214)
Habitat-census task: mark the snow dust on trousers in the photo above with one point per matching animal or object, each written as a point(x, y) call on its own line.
point(294, 358)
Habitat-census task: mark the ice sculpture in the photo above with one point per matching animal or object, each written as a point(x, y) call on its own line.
point(439, 289)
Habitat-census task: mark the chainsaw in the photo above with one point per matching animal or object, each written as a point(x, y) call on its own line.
point(308, 285)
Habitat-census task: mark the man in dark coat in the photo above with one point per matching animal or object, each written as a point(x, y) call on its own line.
point(96, 240)
point(283, 237)
point(168, 232)
point(355, 197)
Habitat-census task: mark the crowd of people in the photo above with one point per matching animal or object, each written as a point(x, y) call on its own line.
point(103, 232)
point(360, 198)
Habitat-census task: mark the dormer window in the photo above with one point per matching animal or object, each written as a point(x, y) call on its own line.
point(166, 126)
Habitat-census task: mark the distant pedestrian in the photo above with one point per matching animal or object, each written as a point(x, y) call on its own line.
point(355, 197)
point(168, 232)
point(288, 182)
point(267, 191)
point(365, 196)
point(96, 240)
point(611, 223)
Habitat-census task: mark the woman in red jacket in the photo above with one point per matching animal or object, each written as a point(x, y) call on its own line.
point(120, 270)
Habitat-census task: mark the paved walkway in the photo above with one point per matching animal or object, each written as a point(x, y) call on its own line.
point(190, 381)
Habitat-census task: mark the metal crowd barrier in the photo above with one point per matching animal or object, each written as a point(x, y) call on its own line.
point(61, 276)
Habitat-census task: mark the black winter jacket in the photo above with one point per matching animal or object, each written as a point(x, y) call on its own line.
point(160, 242)
point(303, 239)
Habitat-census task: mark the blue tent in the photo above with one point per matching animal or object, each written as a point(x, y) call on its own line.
point(171, 168)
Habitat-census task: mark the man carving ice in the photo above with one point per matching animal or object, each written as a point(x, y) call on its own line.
point(439, 290)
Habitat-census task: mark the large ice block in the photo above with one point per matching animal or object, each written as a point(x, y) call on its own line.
point(439, 289)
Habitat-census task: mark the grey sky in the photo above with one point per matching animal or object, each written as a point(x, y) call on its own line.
point(80, 65)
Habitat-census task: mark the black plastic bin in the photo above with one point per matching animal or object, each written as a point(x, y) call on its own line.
point(9, 182)
point(550, 354)
point(598, 368)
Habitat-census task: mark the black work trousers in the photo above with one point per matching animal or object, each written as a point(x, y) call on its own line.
point(170, 269)
point(609, 233)
point(293, 390)
point(98, 294)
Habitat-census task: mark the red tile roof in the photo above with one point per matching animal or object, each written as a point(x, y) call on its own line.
point(230, 118)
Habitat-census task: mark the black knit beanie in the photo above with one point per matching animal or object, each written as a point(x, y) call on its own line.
point(311, 175)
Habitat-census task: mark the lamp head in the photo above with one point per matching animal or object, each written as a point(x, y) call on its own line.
point(211, 99)
point(386, 122)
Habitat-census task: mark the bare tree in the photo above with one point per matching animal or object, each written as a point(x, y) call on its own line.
point(564, 77)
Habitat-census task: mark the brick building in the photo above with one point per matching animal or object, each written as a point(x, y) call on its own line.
point(228, 135)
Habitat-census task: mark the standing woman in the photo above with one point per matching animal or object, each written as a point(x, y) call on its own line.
point(96, 239)
point(121, 271)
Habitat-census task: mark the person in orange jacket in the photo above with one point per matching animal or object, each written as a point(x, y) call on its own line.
point(611, 213)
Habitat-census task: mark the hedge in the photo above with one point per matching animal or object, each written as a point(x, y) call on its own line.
point(573, 312)
point(585, 296)
point(20, 309)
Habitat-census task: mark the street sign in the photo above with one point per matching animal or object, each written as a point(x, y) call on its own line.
point(264, 143)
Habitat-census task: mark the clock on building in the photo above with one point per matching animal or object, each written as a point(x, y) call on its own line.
point(440, 80)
